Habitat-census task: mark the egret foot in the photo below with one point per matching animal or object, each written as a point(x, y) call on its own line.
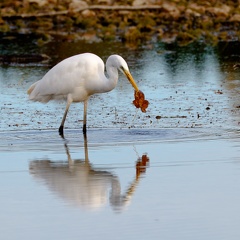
point(60, 130)
point(84, 129)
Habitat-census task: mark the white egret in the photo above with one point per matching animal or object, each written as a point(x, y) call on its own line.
point(78, 77)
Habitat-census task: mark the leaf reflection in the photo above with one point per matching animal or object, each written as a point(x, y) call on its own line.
point(77, 182)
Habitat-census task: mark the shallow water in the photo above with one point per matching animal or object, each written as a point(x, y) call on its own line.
point(194, 86)
point(171, 173)
point(183, 188)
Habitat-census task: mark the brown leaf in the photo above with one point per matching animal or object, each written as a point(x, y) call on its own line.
point(140, 101)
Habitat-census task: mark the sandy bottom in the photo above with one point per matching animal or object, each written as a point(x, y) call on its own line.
point(120, 184)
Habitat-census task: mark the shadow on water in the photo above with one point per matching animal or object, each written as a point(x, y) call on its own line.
point(81, 184)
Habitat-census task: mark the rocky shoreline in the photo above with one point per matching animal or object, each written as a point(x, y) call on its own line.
point(137, 21)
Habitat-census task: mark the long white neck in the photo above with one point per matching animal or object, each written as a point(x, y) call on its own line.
point(112, 79)
point(109, 82)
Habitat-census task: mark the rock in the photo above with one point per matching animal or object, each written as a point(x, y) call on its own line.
point(235, 18)
point(155, 2)
point(196, 9)
point(90, 37)
point(140, 2)
point(8, 11)
point(77, 4)
point(40, 3)
point(220, 12)
point(105, 2)
point(190, 12)
point(171, 9)
point(88, 13)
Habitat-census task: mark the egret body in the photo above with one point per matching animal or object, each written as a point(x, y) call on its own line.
point(78, 77)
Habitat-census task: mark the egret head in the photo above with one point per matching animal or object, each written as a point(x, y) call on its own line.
point(119, 63)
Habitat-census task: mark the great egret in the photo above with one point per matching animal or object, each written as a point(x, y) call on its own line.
point(78, 77)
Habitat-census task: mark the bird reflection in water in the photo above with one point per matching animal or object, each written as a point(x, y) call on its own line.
point(77, 182)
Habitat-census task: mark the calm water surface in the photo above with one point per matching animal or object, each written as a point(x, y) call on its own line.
point(187, 188)
point(172, 173)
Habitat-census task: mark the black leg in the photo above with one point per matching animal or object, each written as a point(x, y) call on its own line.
point(60, 130)
point(85, 118)
point(69, 101)
point(84, 129)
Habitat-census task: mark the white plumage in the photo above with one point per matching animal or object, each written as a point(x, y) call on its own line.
point(78, 77)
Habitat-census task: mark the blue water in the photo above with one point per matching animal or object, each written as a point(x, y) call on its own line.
point(53, 188)
point(172, 173)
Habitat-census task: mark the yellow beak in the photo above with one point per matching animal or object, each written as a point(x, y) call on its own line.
point(131, 80)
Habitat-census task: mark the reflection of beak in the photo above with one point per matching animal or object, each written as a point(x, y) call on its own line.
point(130, 78)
